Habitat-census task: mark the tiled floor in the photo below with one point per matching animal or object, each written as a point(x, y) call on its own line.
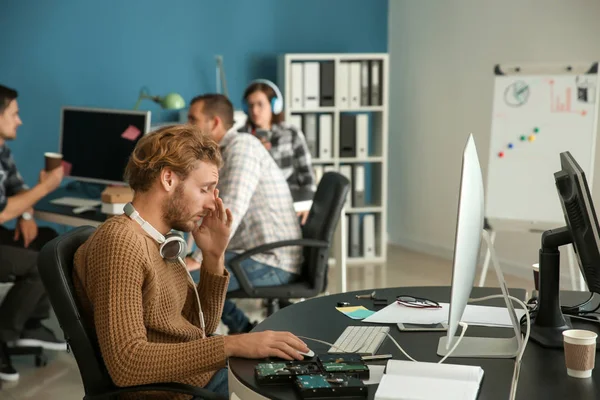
point(60, 379)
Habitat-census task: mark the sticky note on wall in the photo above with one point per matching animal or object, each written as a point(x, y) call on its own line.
point(66, 167)
point(131, 133)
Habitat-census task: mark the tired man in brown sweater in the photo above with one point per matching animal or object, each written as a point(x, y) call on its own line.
point(151, 324)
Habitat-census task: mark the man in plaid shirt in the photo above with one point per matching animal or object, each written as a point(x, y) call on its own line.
point(26, 303)
point(253, 187)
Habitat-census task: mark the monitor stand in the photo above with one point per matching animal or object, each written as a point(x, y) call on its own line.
point(485, 347)
point(549, 323)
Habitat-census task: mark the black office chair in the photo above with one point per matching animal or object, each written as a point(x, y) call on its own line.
point(56, 267)
point(317, 235)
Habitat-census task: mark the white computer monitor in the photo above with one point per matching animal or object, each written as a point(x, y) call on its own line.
point(467, 242)
point(469, 230)
point(98, 142)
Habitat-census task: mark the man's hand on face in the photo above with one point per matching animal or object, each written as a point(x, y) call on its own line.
point(212, 236)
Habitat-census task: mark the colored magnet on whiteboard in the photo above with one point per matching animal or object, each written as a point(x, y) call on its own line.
point(510, 145)
point(501, 154)
point(523, 138)
point(583, 113)
point(536, 130)
point(531, 138)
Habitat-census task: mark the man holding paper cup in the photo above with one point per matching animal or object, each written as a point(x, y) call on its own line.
point(26, 303)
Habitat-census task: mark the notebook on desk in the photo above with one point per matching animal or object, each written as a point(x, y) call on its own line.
point(429, 381)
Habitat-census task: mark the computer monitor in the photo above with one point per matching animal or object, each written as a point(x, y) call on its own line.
point(582, 231)
point(98, 142)
point(469, 231)
point(469, 226)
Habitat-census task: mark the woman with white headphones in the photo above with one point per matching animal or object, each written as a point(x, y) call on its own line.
point(263, 103)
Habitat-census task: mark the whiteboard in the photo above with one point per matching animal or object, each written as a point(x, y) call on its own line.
point(535, 117)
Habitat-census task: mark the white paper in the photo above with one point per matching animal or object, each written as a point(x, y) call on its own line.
point(375, 374)
point(473, 315)
point(304, 205)
point(468, 373)
point(394, 387)
point(407, 380)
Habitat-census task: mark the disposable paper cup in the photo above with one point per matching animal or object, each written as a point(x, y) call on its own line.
point(536, 276)
point(53, 160)
point(580, 352)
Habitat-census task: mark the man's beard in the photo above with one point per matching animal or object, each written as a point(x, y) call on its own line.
point(175, 212)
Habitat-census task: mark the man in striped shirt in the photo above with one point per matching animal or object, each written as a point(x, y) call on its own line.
point(255, 190)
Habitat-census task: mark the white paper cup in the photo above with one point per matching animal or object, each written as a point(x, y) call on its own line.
point(580, 352)
point(52, 161)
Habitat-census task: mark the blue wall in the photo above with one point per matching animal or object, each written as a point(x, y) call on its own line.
point(100, 53)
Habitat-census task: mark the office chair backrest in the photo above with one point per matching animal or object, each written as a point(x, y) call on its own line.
point(56, 268)
point(321, 223)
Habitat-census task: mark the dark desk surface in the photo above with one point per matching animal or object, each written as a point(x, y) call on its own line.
point(64, 214)
point(543, 372)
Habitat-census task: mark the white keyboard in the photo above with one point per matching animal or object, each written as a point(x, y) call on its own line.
point(76, 202)
point(364, 340)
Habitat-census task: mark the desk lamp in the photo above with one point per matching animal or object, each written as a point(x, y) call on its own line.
point(172, 101)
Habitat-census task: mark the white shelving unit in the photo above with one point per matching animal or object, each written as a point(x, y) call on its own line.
point(376, 161)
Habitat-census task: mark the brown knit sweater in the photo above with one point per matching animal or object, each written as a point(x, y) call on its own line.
point(144, 309)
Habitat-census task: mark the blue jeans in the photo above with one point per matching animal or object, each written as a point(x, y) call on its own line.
point(259, 275)
point(219, 383)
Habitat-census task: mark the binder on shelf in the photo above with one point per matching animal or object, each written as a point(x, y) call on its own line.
point(327, 83)
point(354, 84)
point(325, 136)
point(347, 135)
point(365, 84)
point(346, 170)
point(318, 170)
point(359, 186)
point(297, 86)
point(311, 85)
point(296, 121)
point(342, 85)
point(369, 236)
point(362, 135)
point(376, 82)
point(355, 250)
point(348, 234)
point(310, 132)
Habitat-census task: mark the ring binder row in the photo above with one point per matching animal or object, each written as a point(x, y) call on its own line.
point(314, 84)
point(318, 131)
point(339, 101)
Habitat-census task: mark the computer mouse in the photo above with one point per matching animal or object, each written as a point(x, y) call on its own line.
point(309, 354)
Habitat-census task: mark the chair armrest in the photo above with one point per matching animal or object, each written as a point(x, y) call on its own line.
point(239, 272)
point(173, 387)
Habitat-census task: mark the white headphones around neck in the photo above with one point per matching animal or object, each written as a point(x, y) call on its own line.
point(173, 247)
point(276, 102)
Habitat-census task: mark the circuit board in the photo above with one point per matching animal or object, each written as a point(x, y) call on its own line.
point(276, 373)
point(351, 364)
point(330, 385)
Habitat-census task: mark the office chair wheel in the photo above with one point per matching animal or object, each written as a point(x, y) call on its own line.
point(41, 360)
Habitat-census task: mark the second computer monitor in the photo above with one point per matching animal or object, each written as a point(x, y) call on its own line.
point(98, 142)
point(580, 216)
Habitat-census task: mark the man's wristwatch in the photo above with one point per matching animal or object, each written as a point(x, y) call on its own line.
point(27, 216)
